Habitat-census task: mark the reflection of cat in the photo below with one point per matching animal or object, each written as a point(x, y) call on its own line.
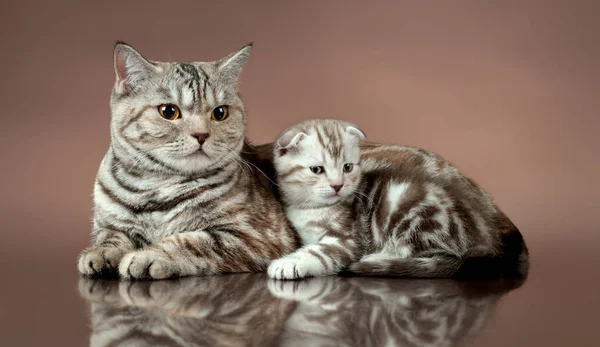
point(250, 310)
point(336, 311)
point(232, 310)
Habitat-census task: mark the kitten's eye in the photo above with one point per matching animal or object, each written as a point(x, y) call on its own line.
point(317, 169)
point(169, 111)
point(220, 113)
point(348, 167)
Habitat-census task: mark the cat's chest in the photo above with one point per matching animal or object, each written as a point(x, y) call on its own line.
point(307, 222)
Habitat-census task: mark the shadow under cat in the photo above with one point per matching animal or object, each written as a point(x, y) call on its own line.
point(251, 310)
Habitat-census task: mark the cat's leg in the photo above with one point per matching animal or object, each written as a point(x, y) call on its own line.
point(327, 257)
point(104, 257)
point(201, 253)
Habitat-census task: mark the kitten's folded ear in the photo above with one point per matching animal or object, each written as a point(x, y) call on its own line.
point(131, 68)
point(231, 66)
point(356, 132)
point(289, 141)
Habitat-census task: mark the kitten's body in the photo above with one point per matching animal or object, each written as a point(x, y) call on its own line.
point(319, 204)
point(412, 214)
point(171, 196)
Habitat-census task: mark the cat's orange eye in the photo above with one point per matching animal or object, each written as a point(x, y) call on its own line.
point(169, 111)
point(220, 113)
point(317, 169)
point(348, 167)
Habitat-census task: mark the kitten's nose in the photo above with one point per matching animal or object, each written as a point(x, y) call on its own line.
point(201, 137)
point(337, 187)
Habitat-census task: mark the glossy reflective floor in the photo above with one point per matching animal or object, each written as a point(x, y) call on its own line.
point(45, 303)
point(251, 310)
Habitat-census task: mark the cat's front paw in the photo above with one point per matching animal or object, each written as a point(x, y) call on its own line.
point(99, 261)
point(146, 264)
point(287, 268)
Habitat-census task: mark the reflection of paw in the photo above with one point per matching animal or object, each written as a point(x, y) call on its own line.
point(99, 290)
point(139, 293)
point(146, 264)
point(99, 261)
point(307, 290)
point(287, 268)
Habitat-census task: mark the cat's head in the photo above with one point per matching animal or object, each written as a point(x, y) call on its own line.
point(318, 162)
point(177, 117)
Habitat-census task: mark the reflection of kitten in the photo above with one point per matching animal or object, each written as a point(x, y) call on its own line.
point(386, 210)
point(365, 311)
point(171, 197)
point(232, 310)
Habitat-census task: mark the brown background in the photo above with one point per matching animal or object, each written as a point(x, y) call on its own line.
point(509, 92)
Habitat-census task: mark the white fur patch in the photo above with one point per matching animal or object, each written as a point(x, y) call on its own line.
point(295, 266)
point(396, 193)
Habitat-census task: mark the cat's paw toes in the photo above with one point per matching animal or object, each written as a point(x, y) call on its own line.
point(287, 269)
point(146, 264)
point(99, 261)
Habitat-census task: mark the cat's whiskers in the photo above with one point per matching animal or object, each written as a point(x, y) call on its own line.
point(249, 164)
point(358, 194)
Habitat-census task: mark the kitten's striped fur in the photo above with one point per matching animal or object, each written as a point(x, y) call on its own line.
point(412, 214)
point(174, 197)
point(319, 204)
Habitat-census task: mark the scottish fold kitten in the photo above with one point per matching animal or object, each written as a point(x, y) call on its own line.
point(385, 210)
point(318, 173)
point(172, 197)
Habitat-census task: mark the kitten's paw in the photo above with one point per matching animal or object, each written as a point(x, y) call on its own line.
point(287, 268)
point(146, 264)
point(99, 261)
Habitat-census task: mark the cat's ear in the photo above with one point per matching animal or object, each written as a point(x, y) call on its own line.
point(230, 67)
point(130, 67)
point(354, 131)
point(289, 141)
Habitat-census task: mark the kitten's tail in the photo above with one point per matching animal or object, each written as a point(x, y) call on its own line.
point(512, 262)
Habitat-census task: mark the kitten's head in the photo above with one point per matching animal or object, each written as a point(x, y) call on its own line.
point(318, 162)
point(177, 117)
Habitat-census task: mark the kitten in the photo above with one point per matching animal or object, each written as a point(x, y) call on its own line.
point(318, 172)
point(411, 214)
point(171, 197)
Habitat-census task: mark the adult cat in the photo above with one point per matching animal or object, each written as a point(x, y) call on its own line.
point(171, 197)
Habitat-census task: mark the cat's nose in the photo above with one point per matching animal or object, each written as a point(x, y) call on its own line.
point(337, 187)
point(201, 137)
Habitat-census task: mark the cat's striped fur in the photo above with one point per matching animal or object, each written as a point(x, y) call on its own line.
point(412, 214)
point(174, 197)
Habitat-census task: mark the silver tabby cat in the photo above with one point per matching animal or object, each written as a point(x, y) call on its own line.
point(384, 210)
point(172, 196)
